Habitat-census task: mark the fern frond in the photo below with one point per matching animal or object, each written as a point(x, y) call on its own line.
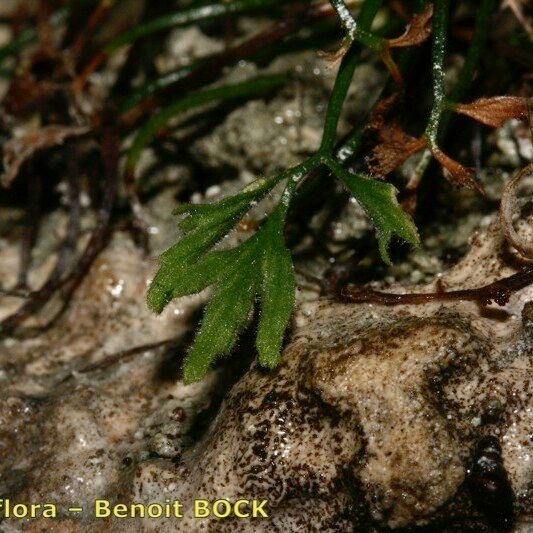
point(261, 268)
point(277, 291)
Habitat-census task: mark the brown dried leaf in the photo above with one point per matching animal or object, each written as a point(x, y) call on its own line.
point(377, 118)
point(416, 32)
point(457, 173)
point(19, 150)
point(395, 147)
point(496, 110)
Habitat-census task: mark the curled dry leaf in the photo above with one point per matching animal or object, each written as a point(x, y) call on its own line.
point(416, 32)
point(457, 173)
point(394, 145)
point(496, 110)
point(508, 206)
point(394, 148)
point(334, 56)
point(19, 150)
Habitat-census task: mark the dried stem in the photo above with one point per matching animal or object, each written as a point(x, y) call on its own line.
point(124, 354)
point(498, 292)
point(95, 19)
point(110, 145)
point(33, 215)
point(69, 245)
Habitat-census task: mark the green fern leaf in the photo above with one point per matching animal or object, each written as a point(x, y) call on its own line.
point(177, 260)
point(379, 201)
point(224, 318)
point(181, 270)
point(232, 206)
point(173, 281)
point(277, 292)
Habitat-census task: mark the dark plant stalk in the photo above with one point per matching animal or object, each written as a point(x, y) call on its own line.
point(110, 146)
point(95, 19)
point(68, 248)
point(130, 352)
point(498, 292)
point(35, 190)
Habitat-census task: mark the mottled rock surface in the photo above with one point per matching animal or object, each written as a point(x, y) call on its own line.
point(370, 420)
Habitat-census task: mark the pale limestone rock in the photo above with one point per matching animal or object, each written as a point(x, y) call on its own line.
point(370, 420)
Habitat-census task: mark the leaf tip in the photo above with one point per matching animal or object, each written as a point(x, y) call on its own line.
point(193, 372)
point(269, 353)
point(157, 297)
point(383, 243)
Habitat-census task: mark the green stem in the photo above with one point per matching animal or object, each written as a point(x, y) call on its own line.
point(475, 50)
point(343, 80)
point(255, 87)
point(336, 100)
point(321, 33)
point(151, 87)
point(188, 16)
point(294, 176)
point(440, 29)
point(464, 82)
point(355, 31)
point(348, 22)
